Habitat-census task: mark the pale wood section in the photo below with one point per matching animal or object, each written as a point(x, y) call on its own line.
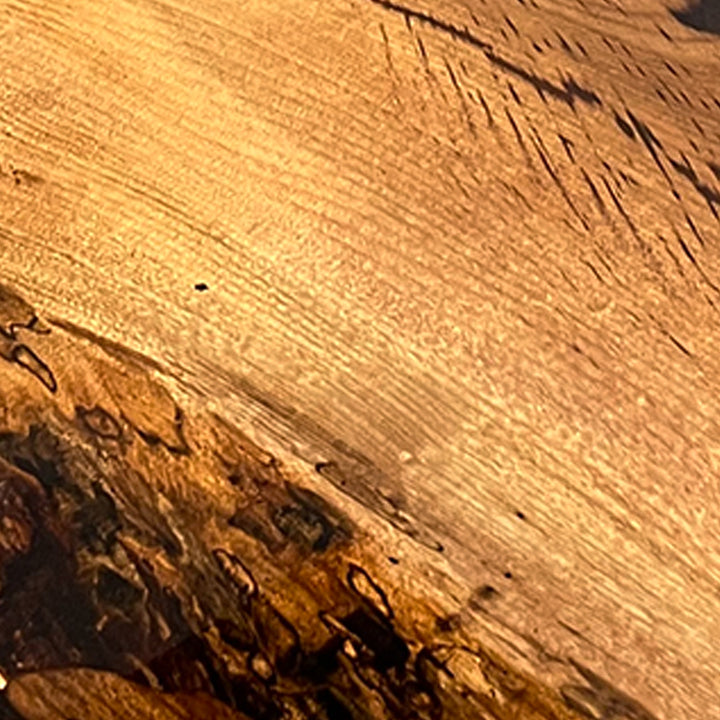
point(466, 252)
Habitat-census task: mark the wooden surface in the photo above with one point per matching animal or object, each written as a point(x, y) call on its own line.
point(462, 271)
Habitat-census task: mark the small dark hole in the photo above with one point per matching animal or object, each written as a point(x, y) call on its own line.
point(335, 708)
point(116, 590)
point(448, 623)
point(480, 595)
point(520, 514)
point(393, 560)
point(508, 575)
point(377, 634)
point(201, 287)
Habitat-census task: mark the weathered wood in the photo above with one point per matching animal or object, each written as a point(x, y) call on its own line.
point(172, 550)
point(94, 695)
point(435, 287)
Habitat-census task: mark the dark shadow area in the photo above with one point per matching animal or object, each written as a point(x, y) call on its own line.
point(702, 15)
point(80, 588)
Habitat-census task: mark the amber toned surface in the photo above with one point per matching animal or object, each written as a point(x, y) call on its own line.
point(456, 268)
point(156, 563)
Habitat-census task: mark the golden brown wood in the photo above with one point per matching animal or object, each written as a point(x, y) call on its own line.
point(94, 695)
point(171, 549)
point(461, 267)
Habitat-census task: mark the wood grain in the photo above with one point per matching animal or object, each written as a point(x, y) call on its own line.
point(462, 272)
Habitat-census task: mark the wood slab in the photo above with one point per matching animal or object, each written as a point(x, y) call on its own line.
point(342, 330)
